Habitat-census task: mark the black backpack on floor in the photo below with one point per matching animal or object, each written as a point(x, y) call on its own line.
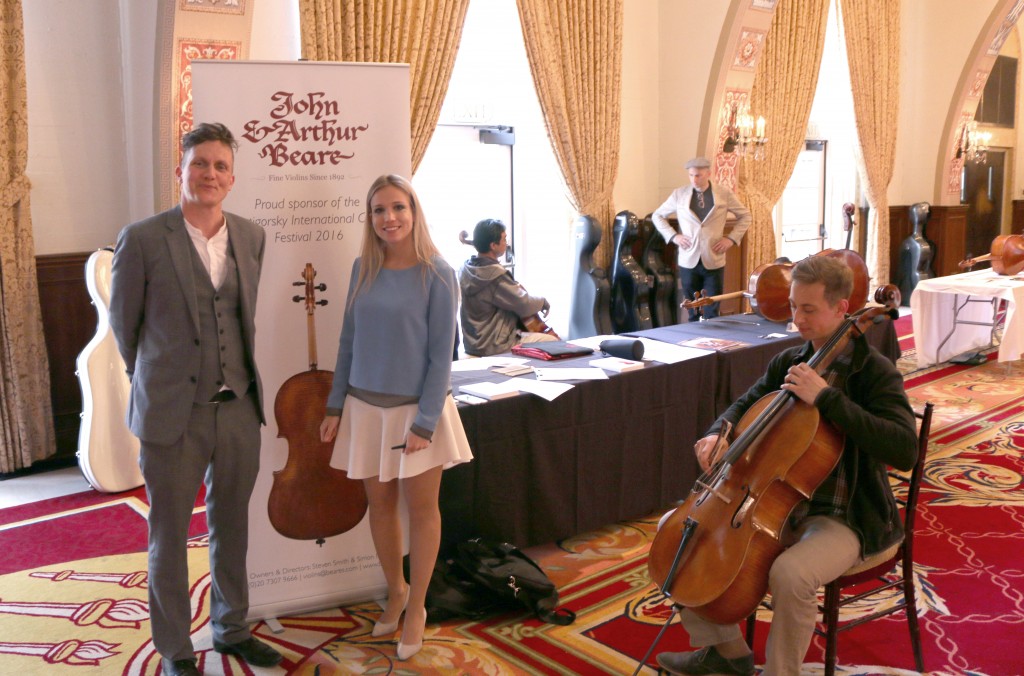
point(485, 577)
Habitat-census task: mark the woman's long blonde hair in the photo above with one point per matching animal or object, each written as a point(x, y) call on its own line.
point(373, 247)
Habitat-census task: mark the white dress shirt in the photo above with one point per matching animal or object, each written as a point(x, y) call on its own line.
point(212, 252)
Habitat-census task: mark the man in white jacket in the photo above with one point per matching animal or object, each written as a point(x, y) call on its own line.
point(701, 210)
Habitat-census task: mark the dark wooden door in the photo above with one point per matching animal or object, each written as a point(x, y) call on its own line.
point(983, 195)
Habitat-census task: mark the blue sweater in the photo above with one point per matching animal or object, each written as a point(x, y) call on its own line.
point(397, 339)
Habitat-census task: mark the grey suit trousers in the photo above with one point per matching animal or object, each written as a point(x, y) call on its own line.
point(221, 446)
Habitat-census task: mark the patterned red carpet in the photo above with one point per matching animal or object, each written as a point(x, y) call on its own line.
point(73, 582)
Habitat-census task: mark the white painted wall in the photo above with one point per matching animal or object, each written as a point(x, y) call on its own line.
point(688, 39)
point(937, 37)
point(78, 162)
point(636, 185)
point(91, 100)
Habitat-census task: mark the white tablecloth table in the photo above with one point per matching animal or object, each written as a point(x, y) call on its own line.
point(935, 315)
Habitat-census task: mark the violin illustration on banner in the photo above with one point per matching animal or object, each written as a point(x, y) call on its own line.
point(310, 500)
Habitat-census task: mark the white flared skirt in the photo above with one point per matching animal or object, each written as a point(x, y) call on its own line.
point(367, 434)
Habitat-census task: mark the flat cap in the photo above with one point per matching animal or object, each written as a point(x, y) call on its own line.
point(699, 163)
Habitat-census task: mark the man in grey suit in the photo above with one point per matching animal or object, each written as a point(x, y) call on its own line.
point(182, 308)
point(701, 209)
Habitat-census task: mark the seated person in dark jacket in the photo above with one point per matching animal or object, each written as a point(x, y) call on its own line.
point(493, 303)
point(852, 515)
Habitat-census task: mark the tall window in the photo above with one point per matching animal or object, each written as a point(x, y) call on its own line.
point(997, 101)
point(463, 179)
point(832, 120)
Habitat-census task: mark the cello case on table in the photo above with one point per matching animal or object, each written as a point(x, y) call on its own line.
point(590, 309)
point(630, 288)
point(108, 453)
point(664, 287)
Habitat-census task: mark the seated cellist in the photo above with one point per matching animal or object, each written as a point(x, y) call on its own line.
point(493, 303)
point(853, 514)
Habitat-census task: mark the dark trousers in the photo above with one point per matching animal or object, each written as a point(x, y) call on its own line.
point(708, 282)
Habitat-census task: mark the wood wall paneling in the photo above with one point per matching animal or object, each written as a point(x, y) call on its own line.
point(735, 276)
point(947, 229)
point(69, 322)
point(1017, 224)
point(899, 230)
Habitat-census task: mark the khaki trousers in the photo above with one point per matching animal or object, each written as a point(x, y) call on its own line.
point(824, 549)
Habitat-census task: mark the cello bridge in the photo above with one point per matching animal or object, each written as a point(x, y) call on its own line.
point(712, 490)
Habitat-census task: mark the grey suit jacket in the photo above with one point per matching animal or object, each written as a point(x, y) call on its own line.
point(155, 318)
point(704, 235)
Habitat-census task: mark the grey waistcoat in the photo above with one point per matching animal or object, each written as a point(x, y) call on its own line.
point(222, 350)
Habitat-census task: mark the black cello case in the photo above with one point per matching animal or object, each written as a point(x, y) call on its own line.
point(590, 309)
point(664, 288)
point(630, 288)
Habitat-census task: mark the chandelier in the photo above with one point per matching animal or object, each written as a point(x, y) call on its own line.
point(745, 136)
point(973, 144)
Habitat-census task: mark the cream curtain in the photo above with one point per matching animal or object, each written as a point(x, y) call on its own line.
point(423, 33)
point(872, 32)
point(26, 417)
point(784, 85)
point(575, 52)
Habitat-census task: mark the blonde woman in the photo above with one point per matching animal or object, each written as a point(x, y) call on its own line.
point(390, 404)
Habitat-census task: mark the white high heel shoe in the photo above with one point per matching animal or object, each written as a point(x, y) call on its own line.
point(386, 628)
point(407, 650)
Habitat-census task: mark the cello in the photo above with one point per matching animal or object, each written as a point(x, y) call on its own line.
point(768, 287)
point(767, 291)
point(310, 500)
point(713, 554)
point(1006, 255)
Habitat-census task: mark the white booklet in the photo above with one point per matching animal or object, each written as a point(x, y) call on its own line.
point(617, 364)
point(569, 373)
point(491, 391)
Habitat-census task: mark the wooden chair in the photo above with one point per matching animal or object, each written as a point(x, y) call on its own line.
point(875, 570)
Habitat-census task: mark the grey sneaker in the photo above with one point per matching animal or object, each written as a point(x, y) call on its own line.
point(705, 661)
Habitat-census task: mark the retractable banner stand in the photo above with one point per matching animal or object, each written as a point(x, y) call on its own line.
point(312, 138)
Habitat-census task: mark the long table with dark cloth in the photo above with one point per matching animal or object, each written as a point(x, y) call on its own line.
point(607, 450)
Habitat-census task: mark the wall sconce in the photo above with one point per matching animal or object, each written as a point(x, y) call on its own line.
point(973, 144)
point(744, 134)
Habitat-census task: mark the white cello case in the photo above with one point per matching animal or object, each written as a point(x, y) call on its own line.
point(108, 453)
